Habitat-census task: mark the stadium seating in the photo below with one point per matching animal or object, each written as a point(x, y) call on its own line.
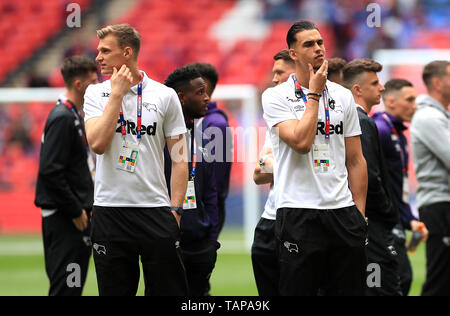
point(25, 26)
point(175, 32)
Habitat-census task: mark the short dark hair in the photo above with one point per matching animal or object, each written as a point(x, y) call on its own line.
point(296, 28)
point(356, 67)
point(395, 85)
point(76, 67)
point(335, 65)
point(181, 78)
point(125, 34)
point(208, 72)
point(434, 69)
point(285, 56)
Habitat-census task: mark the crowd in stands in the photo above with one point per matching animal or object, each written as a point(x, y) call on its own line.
point(178, 36)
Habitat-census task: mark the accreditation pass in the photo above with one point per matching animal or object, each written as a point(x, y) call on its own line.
point(321, 158)
point(190, 200)
point(128, 158)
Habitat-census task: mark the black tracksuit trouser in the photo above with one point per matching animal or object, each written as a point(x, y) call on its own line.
point(199, 259)
point(265, 259)
point(437, 219)
point(122, 236)
point(382, 252)
point(67, 252)
point(321, 249)
point(404, 264)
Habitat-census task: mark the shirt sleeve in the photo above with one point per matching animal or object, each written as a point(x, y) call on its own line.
point(174, 124)
point(55, 157)
point(276, 110)
point(384, 135)
point(92, 107)
point(376, 192)
point(434, 133)
point(351, 126)
point(210, 200)
point(217, 132)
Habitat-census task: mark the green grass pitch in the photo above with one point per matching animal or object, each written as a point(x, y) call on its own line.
point(22, 270)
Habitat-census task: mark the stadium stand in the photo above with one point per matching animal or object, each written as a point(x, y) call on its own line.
point(18, 31)
point(178, 32)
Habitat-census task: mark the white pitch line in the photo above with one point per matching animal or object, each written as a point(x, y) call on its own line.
point(29, 248)
point(21, 248)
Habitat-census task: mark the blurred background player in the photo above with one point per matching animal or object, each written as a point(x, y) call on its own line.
point(360, 76)
point(312, 201)
point(283, 67)
point(65, 190)
point(200, 221)
point(335, 67)
point(215, 120)
point(399, 98)
point(134, 219)
point(264, 248)
point(430, 139)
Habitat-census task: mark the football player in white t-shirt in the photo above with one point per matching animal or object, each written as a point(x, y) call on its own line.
point(320, 177)
point(264, 250)
point(129, 120)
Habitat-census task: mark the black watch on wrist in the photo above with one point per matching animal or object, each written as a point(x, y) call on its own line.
point(177, 209)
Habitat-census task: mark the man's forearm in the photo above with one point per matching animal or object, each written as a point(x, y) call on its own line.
point(300, 134)
point(101, 131)
point(306, 128)
point(178, 183)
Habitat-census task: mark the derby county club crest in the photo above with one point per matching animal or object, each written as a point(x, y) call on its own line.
point(332, 104)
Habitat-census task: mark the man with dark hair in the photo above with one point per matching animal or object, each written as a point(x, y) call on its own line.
point(200, 221)
point(264, 248)
point(335, 66)
point(282, 67)
point(64, 190)
point(360, 76)
point(134, 219)
point(215, 124)
point(399, 100)
point(320, 177)
point(430, 139)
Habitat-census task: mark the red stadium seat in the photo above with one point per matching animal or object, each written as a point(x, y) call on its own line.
point(20, 31)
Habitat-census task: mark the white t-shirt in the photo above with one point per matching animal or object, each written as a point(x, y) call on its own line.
point(162, 117)
point(297, 185)
point(270, 211)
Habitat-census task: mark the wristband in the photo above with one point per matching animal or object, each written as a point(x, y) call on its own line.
point(177, 209)
point(316, 94)
point(310, 98)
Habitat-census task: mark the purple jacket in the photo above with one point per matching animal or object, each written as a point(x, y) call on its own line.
point(201, 223)
point(394, 162)
point(216, 118)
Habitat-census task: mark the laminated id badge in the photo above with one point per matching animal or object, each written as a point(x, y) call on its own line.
point(190, 201)
point(321, 158)
point(128, 158)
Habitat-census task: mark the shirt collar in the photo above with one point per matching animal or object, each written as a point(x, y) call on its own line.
point(361, 107)
point(144, 82)
point(63, 98)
